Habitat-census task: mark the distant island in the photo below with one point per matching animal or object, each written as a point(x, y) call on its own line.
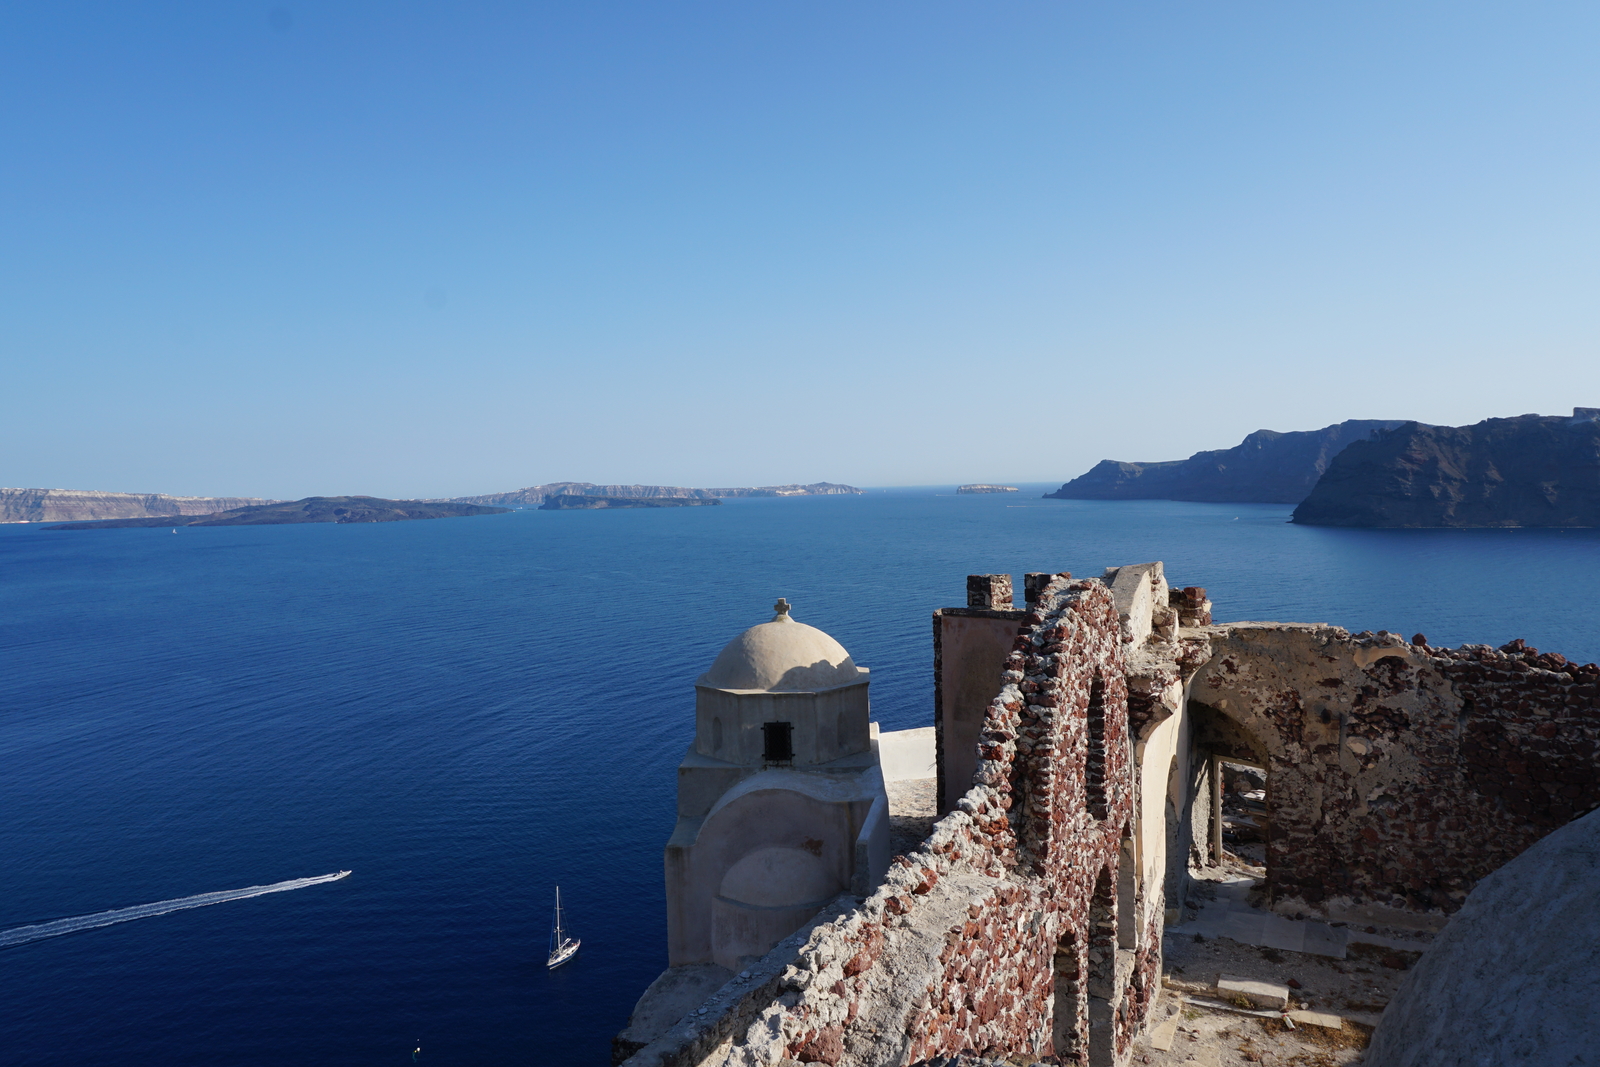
point(1532, 470)
point(1267, 467)
point(982, 488)
point(581, 501)
point(311, 509)
point(535, 495)
point(83, 505)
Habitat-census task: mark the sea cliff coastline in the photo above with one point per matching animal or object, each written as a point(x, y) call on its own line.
point(1267, 467)
point(1532, 470)
point(85, 505)
point(341, 509)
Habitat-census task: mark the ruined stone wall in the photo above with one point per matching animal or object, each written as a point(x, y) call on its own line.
point(1401, 774)
point(1009, 930)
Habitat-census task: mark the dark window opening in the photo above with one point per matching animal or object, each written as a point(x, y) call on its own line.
point(777, 742)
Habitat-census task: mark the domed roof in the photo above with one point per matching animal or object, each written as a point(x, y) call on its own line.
point(782, 656)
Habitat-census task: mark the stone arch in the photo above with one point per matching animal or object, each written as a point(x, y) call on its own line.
point(749, 822)
point(763, 897)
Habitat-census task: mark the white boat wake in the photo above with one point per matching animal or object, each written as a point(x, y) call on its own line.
point(22, 935)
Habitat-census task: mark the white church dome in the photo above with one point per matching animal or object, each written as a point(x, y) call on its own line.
point(782, 656)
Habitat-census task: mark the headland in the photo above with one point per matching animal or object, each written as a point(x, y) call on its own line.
point(311, 509)
point(85, 505)
point(1532, 470)
point(1267, 467)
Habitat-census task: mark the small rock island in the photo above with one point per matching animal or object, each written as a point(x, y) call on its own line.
point(983, 488)
point(311, 509)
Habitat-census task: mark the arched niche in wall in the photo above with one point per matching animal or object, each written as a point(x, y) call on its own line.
point(1102, 971)
point(1068, 1009)
point(1094, 775)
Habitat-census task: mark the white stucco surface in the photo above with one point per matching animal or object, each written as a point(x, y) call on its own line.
point(1511, 978)
point(782, 656)
point(908, 754)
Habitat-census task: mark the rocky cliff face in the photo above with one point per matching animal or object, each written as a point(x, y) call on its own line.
point(1266, 468)
point(83, 505)
point(534, 495)
point(1533, 470)
point(341, 509)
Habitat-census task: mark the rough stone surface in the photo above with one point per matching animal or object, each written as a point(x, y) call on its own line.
point(1511, 979)
point(675, 993)
point(1399, 774)
point(1262, 994)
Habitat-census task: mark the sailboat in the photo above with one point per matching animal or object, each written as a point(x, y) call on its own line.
point(562, 947)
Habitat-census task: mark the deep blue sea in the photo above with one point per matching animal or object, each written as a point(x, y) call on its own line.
point(467, 712)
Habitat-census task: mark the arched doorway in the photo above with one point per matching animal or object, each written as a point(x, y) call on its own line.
point(1230, 792)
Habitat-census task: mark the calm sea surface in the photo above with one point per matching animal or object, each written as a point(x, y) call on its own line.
point(468, 712)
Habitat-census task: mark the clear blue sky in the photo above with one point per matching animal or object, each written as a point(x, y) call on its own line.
point(418, 249)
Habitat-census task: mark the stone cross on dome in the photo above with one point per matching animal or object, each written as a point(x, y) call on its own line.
point(782, 609)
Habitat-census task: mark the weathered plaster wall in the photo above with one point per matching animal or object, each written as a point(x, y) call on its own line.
point(1163, 644)
point(1400, 774)
point(770, 854)
point(829, 724)
point(970, 647)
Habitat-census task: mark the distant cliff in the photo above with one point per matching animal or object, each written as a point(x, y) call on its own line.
point(534, 495)
point(985, 488)
point(1266, 468)
point(311, 509)
point(78, 505)
point(1534, 470)
point(583, 501)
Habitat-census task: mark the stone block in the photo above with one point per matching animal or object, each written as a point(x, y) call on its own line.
point(989, 591)
point(1316, 1018)
point(1161, 1037)
point(1261, 994)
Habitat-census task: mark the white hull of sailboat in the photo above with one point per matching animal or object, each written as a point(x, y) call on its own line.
point(567, 950)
